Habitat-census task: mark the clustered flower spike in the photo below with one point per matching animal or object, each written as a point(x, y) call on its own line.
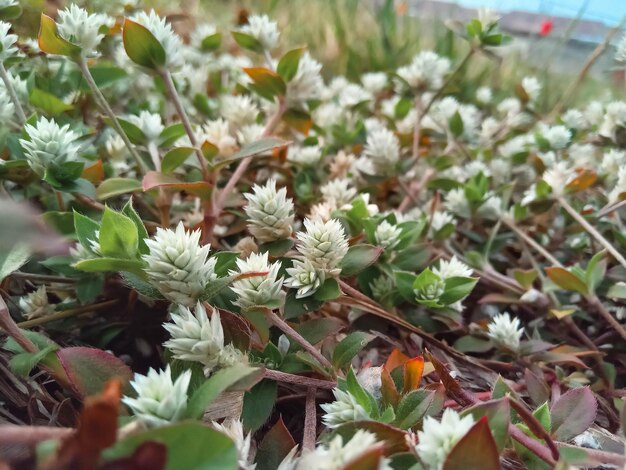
point(35, 304)
point(324, 244)
point(305, 277)
point(83, 29)
point(306, 83)
point(382, 149)
point(178, 266)
point(149, 123)
point(160, 400)
point(505, 331)
point(425, 72)
point(7, 42)
point(163, 32)
point(263, 289)
point(437, 438)
point(270, 212)
point(233, 428)
point(452, 268)
point(263, 30)
point(344, 409)
point(387, 235)
point(197, 338)
point(48, 144)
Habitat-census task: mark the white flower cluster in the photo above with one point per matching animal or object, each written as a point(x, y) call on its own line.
point(425, 72)
point(262, 289)
point(344, 409)
point(35, 304)
point(79, 27)
point(163, 32)
point(270, 212)
point(48, 144)
point(7, 42)
point(263, 30)
point(306, 83)
point(505, 331)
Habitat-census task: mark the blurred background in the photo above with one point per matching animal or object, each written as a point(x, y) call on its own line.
point(552, 39)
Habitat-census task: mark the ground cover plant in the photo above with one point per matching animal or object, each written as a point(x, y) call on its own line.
point(211, 257)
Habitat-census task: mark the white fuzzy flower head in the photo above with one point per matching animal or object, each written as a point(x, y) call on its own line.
point(344, 409)
point(381, 287)
point(270, 212)
point(558, 177)
point(488, 17)
point(574, 119)
point(614, 117)
point(505, 331)
point(48, 144)
point(217, 132)
point(150, 124)
point(196, 337)
point(306, 83)
point(7, 108)
point(337, 454)
point(452, 268)
point(324, 244)
point(305, 277)
point(263, 30)
point(163, 32)
point(233, 428)
point(160, 400)
point(35, 304)
point(440, 220)
point(438, 438)
point(484, 95)
point(353, 95)
point(250, 133)
point(307, 156)
point(620, 186)
point(425, 72)
point(387, 235)
point(532, 87)
point(382, 148)
point(258, 290)
point(338, 191)
point(82, 28)
point(199, 34)
point(457, 203)
point(239, 110)
point(7, 42)
point(620, 54)
point(374, 82)
point(558, 137)
point(178, 266)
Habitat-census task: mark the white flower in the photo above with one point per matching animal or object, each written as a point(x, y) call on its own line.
point(322, 211)
point(234, 429)
point(48, 144)
point(387, 235)
point(258, 290)
point(160, 400)
point(270, 212)
point(574, 119)
point(505, 331)
point(614, 117)
point(457, 203)
point(263, 30)
point(217, 132)
point(239, 110)
point(308, 156)
point(532, 88)
point(557, 136)
point(306, 83)
point(491, 208)
point(344, 409)
point(488, 17)
point(337, 454)
point(83, 29)
point(438, 438)
point(353, 95)
point(7, 108)
point(250, 133)
point(620, 54)
point(324, 244)
point(426, 71)
point(7, 42)
point(594, 113)
point(452, 268)
point(612, 161)
point(558, 177)
point(620, 186)
point(163, 32)
point(35, 304)
point(199, 34)
point(374, 82)
point(382, 148)
point(150, 124)
point(338, 191)
point(484, 95)
point(305, 277)
point(178, 265)
point(381, 287)
point(440, 220)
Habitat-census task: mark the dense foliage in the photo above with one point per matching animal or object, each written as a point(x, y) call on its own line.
point(215, 259)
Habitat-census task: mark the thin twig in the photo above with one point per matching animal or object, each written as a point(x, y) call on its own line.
point(67, 313)
point(42, 278)
point(308, 382)
point(11, 434)
point(310, 420)
point(540, 249)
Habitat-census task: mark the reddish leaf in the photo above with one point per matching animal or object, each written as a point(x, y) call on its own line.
point(266, 82)
point(154, 179)
point(573, 413)
point(413, 370)
point(567, 280)
point(394, 438)
point(475, 451)
point(498, 414)
point(275, 445)
point(94, 173)
point(51, 42)
point(452, 386)
point(236, 329)
point(537, 387)
point(368, 460)
point(150, 455)
point(298, 120)
point(89, 369)
point(584, 180)
point(388, 387)
point(396, 359)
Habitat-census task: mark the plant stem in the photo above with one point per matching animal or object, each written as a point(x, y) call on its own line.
point(13, 95)
point(310, 420)
point(42, 277)
point(592, 231)
point(66, 314)
point(104, 105)
point(308, 382)
point(540, 249)
point(12, 434)
point(293, 334)
point(604, 313)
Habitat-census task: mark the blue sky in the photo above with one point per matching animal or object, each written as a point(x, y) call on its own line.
point(607, 11)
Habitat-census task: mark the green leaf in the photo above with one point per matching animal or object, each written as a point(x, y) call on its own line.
point(141, 45)
point(211, 42)
point(277, 248)
point(10, 13)
point(525, 277)
point(543, 416)
point(216, 384)
point(155, 179)
point(256, 148)
point(567, 280)
point(171, 134)
point(573, 412)
point(215, 287)
point(362, 396)
point(350, 347)
point(226, 261)
point(104, 76)
point(112, 187)
point(358, 258)
point(328, 291)
point(596, 269)
point(111, 265)
point(118, 235)
point(258, 404)
point(86, 229)
point(247, 42)
point(288, 64)
point(295, 307)
point(23, 363)
point(616, 291)
point(190, 446)
point(476, 450)
point(498, 413)
point(404, 282)
point(457, 288)
point(88, 288)
point(14, 259)
point(455, 123)
point(318, 329)
point(51, 43)
point(265, 82)
point(174, 158)
point(48, 103)
point(132, 131)
point(416, 405)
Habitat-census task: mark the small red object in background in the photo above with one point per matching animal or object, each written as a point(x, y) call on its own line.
point(546, 28)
